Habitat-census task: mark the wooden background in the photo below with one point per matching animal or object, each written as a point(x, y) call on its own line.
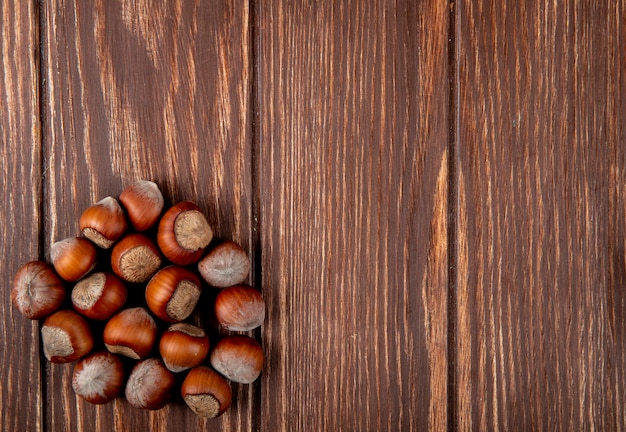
point(433, 195)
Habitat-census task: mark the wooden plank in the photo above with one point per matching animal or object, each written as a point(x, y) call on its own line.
point(616, 226)
point(157, 90)
point(20, 187)
point(540, 324)
point(353, 177)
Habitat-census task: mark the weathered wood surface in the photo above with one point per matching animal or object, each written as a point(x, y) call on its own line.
point(20, 185)
point(354, 174)
point(433, 195)
point(540, 226)
point(353, 210)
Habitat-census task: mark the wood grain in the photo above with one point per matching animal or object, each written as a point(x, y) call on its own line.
point(20, 188)
point(353, 174)
point(540, 324)
point(157, 90)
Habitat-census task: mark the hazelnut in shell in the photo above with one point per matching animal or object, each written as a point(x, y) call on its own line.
point(239, 308)
point(144, 203)
point(149, 385)
point(226, 265)
point(184, 233)
point(206, 392)
point(99, 377)
point(73, 258)
point(131, 333)
point(37, 291)
point(183, 346)
point(104, 222)
point(135, 258)
point(99, 295)
point(239, 358)
point(172, 293)
point(66, 337)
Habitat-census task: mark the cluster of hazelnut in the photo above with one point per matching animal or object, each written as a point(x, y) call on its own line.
point(172, 290)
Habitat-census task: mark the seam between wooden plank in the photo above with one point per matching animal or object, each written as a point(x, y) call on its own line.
point(256, 275)
point(453, 151)
point(40, 56)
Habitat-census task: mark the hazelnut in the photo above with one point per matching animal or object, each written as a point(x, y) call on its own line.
point(135, 258)
point(73, 258)
point(99, 296)
point(131, 333)
point(149, 385)
point(66, 337)
point(183, 346)
point(226, 265)
point(104, 222)
point(144, 203)
point(206, 392)
point(37, 291)
point(98, 378)
point(239, 308)
point(239, 358)
point(184, 233)
point(172, 293)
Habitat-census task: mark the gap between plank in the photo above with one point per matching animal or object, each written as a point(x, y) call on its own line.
point(256, 276)
point(453, 127)
point(40, 58)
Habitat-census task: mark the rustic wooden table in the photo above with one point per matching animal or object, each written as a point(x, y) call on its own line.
point(433, 195)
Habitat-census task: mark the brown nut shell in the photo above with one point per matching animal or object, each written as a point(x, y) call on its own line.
point(239, 358)
point(73, 258)
point(183, 346)
point(37, 291)
point(226, 265)
point(239, 308)
point(99, 295)
point(184, 233)
point(172, 293)
point(131, 333)
point(144, 203)
point(135, 258)
point(149, 385)
point(104, 222)
point(206, 392)
point(98, 378)
point(66, 337)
